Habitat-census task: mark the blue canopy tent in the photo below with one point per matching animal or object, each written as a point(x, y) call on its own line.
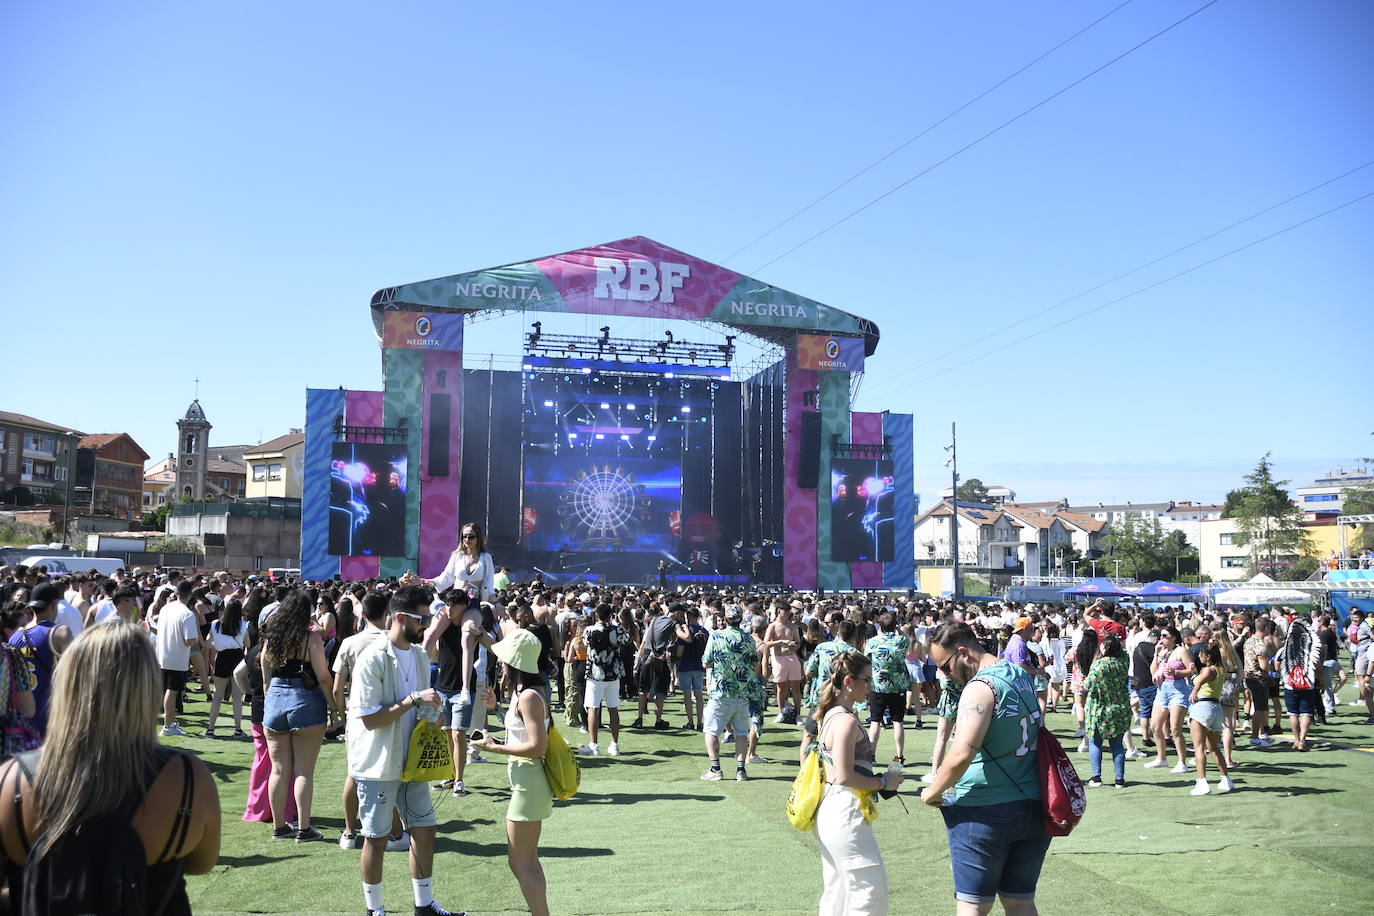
point(1161, 589)
point(1098, 588)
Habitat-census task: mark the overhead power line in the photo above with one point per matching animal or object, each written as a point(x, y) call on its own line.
point(897, 149)
point(999, 128)
point(1121, 276)
point(1145, 289)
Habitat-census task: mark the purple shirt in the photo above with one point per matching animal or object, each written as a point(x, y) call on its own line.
point(1016, 651)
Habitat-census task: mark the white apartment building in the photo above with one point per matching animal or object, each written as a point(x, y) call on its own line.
point(1325, 496)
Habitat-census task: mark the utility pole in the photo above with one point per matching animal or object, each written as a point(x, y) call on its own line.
point(953, 464)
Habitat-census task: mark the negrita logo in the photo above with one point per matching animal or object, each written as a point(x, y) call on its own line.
point(423, 326)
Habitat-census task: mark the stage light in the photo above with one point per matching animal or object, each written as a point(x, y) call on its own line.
point(601, 435)
point(527, 367)
point(605, 406)
point(548, 403)
point(572, 435)
point(667, 375)
point(669, 335)
point(624, 437)
point(586, 371)
point(653, 438)
point(629, 407)
point(686, 410)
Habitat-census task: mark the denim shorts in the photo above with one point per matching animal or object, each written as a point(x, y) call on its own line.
point(457, 715)
point(1300, 702)
point(691, 681)
point(996, 849)
point(290, 705)
point(1173, 692)
point(377, 798)
point(1146, 696)
point(731, 713)
point(1208, 714)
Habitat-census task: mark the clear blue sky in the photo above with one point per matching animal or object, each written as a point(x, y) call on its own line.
point(215, 190)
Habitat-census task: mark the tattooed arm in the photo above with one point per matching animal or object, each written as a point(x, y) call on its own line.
point(976, 707)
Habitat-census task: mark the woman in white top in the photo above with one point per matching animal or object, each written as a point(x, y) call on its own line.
point(229, 639)
point(470, 568)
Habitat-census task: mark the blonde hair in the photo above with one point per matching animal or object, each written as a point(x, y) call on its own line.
point(100, 747)
point(846, 664)
point(1229, 662)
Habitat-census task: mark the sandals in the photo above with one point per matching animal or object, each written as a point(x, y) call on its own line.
point(209, 733)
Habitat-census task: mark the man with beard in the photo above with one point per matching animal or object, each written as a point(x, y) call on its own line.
point(389, 685)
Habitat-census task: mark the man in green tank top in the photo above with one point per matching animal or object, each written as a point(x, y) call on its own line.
point(988, 784)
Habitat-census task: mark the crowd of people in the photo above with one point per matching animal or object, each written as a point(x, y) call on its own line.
point(364, 662)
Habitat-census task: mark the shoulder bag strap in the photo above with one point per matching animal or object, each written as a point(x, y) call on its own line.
point(181, 823)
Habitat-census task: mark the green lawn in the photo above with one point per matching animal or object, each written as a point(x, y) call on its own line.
point(647, 836)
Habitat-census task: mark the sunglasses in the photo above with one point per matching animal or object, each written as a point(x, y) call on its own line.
point(944, 666)
point(469, 537)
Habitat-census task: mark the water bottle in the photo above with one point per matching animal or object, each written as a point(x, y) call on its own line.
point(893, 769)
point(948, 797)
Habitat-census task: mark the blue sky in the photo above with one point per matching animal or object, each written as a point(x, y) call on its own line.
point(214, 192)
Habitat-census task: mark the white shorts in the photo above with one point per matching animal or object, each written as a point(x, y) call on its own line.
point(1363, 666)
point(602, 693)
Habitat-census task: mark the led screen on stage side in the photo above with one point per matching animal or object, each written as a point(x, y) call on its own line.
point(601, 504)
point(861, 510)
point(367, 500)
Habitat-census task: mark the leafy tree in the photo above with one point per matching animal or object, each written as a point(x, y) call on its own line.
point(1360, 501)
point(1139, 544)
point(18, 496)
point(173, 545)
point(1268, 522)
point(972, 490)
point(157, 519)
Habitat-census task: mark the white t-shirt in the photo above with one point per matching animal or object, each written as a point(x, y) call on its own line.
point(176, 625)
point(223, 641)
point(349, 651)
point(103, 611)
point(69, 617)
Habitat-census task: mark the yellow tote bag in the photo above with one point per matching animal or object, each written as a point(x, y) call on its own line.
point(429, 758)
point(807, 788)
point(561, 767)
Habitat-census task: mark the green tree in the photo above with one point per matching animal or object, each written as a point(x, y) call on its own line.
point(173, 545)
point(157, 519)
point(1360, 501)
point(18, 496)
point(1139, 544)
point(972, 490)
point(1268, 522)
point(1062, 556)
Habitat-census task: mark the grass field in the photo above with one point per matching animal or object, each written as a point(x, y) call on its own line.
point(646, 835)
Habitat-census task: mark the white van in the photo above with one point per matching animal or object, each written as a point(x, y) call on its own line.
point(66, 566)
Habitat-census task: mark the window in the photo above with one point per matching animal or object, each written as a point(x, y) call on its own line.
point(1234, 562)
point(274, 472)
point(26, 467)
point(259, 473)
point(147, 500)
point(1321, 498)
point(1228, 539)
point(60, 473)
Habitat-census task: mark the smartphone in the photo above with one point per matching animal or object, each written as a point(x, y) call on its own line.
point(476, 735)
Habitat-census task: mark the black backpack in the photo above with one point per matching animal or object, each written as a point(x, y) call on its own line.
point(99, 867)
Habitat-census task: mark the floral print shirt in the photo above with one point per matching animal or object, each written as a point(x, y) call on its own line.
point(887, 653)
point(731, 657)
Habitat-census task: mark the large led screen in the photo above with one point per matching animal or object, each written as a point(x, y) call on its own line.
point(862, 511)
point(367, 500)
point(583, 503)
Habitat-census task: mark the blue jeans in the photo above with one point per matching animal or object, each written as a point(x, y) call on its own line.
point(1118, 756)
point(996, 849)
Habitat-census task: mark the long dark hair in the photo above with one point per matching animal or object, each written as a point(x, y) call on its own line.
point(1111, 647)
point(230, 620)
point(1087, 650)
point(287, 629)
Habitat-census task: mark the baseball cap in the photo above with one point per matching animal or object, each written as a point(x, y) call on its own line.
point(44, 594)
point(585, 597)
point(734, 612)
point(1022, 623)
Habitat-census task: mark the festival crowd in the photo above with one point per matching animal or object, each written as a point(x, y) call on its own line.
point(90, 664)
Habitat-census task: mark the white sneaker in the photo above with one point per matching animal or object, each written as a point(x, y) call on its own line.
point(779, 719)
point(1083, 747)
point(1155, 763)
point(475, 757)
point(172, 731)
point(757, 759)
point(1201, 788)
point(459, 790)
point(1180, 767)
point(1137, 754)
point(711, 776)
point(1261, 742)
point(589, 750)
point(1226, 784)
point(398, 843)
point(614, 749)
point(582, 729)
point(1080, 733)
point(348, 841)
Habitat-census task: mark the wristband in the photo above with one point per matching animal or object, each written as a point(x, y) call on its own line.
point(415, 698)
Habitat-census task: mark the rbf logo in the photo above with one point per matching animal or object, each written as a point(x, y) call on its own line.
point(832, 348)
point(637, 279)
point(423, 326)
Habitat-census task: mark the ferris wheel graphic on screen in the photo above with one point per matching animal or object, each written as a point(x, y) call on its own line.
point(603, 507)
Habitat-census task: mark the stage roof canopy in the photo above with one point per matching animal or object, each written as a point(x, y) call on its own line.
point(634, 277)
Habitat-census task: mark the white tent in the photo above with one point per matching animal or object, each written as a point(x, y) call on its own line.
point(1256, 594)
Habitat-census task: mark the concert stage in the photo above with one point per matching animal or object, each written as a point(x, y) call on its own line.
point(610, 459)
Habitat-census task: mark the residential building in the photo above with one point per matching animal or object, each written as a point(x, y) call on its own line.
point(39, 456)
point(1220, 555)
point(109, 475)
point(1188, 517)
point(1326, 496)
point(1116, 513)
point(275, 467)
point(1037, 535)
point(159, 483)
point(1085, 532)
point(976, 525)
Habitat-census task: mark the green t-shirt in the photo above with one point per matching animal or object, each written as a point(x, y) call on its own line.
point(1005, 769)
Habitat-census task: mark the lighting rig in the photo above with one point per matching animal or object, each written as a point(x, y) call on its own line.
point(622, 349)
